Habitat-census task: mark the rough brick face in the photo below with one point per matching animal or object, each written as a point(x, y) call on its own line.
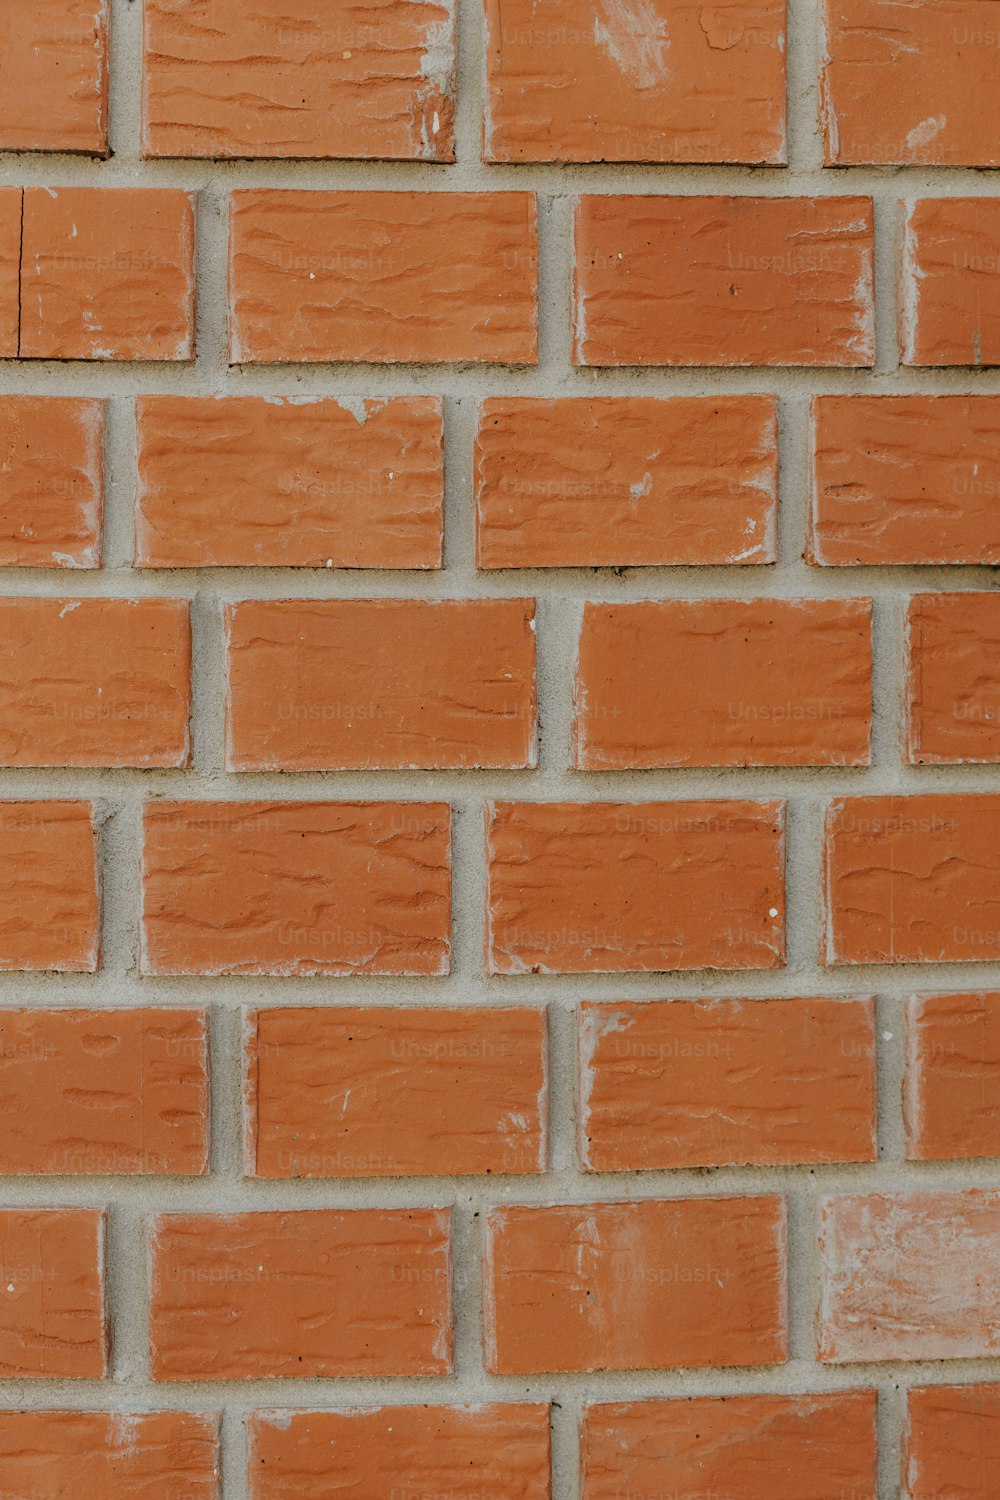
point(10, 270)
point(952, 1441)
point(324, 1293)
point(364, 277)
point(51, 482)
point(949, 307)
point(614, 886)
point(338, 79)
point(336, 684)
point(632, 1286)
point(54, 57)
point(683, 1083)
point(387, 1092)
point(655, 82)
point(52, 1318)
point(270, 482)
point(127, 1455)
point(953, 678)
point(952, 1090)
point(50, 894)
point(723, 281)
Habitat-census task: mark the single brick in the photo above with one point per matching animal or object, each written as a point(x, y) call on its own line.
point(376, 684)
point(909, 1276)
point(51, 481)
point(904, 479)
point(724, 682)
point(107, 273)
point(365, 276)
point(53, 1319)
point(635, 1286)
point(234, 481)
point(949, 300)
point(11, 200)
point(311, 1294)
point(952, 1089)
point(296, 888)
point(952, 1442)
point(803, 1447)
point(386, 1092)
point(715, 1083)
point(613, 887)
point(617, 481)
point(326, 78)
point(50, 894)
point(661, 280)
point(95, 682)
point(912, 879)
point(903, 84)
point(103, 1092)
point(371, 1453)
point(118, 1455)
point(654, 82)
point(953, 678)
point(54, 56)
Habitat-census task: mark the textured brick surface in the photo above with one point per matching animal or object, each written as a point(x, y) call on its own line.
point(949, 309)
point(952, 1441)
point(53, 1318)
point(952, 1090)
point(51, 482)
point(128, 1455)
point(50, 896)
point(953, 684)
point(55, 64)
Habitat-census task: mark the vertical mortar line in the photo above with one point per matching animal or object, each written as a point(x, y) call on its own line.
point(125, 82)
point(567, 1410)
point(234, 1450)
point(888, 686)
point(470, 68)
point(804, 44)
point(119, 495)
point(887, 229)
point(466, 1292)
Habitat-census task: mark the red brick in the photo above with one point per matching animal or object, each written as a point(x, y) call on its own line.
point(952, 1090)
point(654, 82)
point(107, 273)
point(661, 280)
point(952, 1442)
point(296, 888)
point(949, 297)
point(634, 1286)
point(53, 1321)
point(905, 479)
point(953, 678)
point(724, 682)
point(912, 879)
point(10, 270)
point(909, 1276)
point(610, 481)
point(459, 1451)
point(51, 482)
point(103, 1092)
point(95, 682)
point(326, 78)
point(117, 1455)
point(386, 1092)
point(802, 1447)
point(714, 1083)
point(334, 684)
point(54, 55)
point(316, 1294)
point(364, 276)
point(229, 481)
point(612, 887)
point(50, 895)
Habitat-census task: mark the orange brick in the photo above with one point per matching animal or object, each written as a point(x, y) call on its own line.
point(51, 482)
point(370, 1454)
point(95, 682)
point(952, 1090)
point(10, 270)
point(124, 1455)
point(364, 277)
point(105, 1092)
point(612, 887)
point(387, 1092)
point(54, 55)
point(614, 481)
point(380, 683)
point(802, 1447)
point(912, 879)
point(661, 280)
point(656, 83)
point(909, 1276)
point(53, 1321)
point(329, 78)
point(714, 1083)
point(904, 479)
point(296, 888)
point(50, 896)
point(634, 1286)
point(949, 299)
point(953, 678)
point(724, 682)
point(229, 481)
point(107, 273)
point(315, 1294)
point(952, 1442)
